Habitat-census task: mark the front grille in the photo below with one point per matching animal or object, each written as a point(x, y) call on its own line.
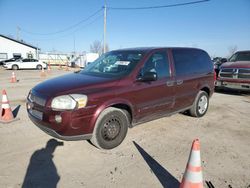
point(235, 73)
point(227, 73)
point(36, 99)
point(244, 74)
point(37, 114)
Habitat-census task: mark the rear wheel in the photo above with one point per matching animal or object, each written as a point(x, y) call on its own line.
point(200, 105)
point(110, 129)
point(39, 67)
point(15, 67)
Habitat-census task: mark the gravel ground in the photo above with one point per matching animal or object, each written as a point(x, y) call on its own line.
point(153, 154)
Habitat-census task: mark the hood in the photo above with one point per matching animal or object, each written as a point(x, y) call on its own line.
point(72, 83)
point(236, 64)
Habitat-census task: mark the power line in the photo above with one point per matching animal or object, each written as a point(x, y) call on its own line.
point(157, 7)
point(65, 29)
point(69, 34)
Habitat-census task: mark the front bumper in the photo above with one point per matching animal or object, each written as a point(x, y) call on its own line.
point(54, 134)
point(233, 85)
point(6, 67)
point(74, 125)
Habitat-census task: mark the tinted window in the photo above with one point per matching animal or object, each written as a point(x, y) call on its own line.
point(26, 60)
point(191, 61)
point(158, 63)
point(243, 56)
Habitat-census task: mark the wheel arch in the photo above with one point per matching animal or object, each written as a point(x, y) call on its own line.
point(207, 90)
point(116, 103)
point(126, 107)
point(15, 65)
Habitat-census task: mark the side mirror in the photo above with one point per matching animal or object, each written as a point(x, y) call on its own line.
point(148, 76)
point(223, 60)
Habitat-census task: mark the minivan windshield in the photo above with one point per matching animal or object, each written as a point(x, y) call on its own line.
point(114, 63)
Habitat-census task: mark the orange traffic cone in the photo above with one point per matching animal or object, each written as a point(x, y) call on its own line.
point(66, 68)
point(13, 78)
point(60, 67)
point(193, 175)
point(6, 112)
point(43, 74)
point(49, 68)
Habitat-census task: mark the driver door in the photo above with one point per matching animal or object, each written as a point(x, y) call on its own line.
point(154, 98)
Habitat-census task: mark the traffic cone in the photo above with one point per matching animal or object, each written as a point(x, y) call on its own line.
point(43, 74)
point(60, 67)
point(193, 174)
point(13, 78)
point(6, 112)
point(49, 68)
point(66, 68)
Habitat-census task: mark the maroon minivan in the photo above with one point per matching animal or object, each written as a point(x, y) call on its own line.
point(121, 89)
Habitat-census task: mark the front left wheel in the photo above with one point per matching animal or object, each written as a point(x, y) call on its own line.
point(110, 129)
point(15, 67)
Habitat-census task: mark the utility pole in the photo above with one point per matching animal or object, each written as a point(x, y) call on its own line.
point(37, 52)
point(104, 28)
point(17, 32)
point(74, 45)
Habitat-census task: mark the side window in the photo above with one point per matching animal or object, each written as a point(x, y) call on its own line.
point(158, 63)
point(26, 60)
point(243, 56)
point(190, 61)
point(3, 56)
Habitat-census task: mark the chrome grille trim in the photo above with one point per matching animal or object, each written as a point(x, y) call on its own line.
point(37, 114)
point(36, 99)
point(240, 73)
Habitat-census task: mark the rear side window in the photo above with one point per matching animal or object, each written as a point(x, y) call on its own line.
point(191, 61)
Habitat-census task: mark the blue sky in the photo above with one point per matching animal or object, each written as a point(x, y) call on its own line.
point(215, 25)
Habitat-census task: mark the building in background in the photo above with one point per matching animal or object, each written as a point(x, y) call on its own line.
point(11, 48)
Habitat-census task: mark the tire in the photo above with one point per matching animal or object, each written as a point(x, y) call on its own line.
point(200, 105)
point(15, 67)
point(39, 67)
point(110, 129)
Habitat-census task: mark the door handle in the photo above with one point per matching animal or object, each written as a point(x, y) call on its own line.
point(179, 82)
point(170, 83)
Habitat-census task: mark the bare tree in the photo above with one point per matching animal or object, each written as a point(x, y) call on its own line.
point(232, 50)
point(97, 47)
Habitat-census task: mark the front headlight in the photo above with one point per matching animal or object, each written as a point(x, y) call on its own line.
point(69, 102)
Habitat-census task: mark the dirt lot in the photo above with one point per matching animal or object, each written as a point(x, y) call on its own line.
point(153, 154)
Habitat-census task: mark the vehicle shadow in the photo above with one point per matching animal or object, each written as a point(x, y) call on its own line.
point(42, 171)
point(232, 92)
point(165, 178)
point(16, 110)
